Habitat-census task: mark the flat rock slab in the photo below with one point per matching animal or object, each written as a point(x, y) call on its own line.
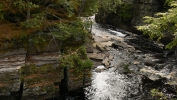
point(95, 56)
point(100, 39)
point(107, 44)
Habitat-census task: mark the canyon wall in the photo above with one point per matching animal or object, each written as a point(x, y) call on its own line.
point(131, 13)
point(30, 69)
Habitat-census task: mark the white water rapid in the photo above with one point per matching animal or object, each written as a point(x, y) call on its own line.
point(109, 84)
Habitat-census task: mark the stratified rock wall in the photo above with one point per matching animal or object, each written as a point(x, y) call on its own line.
point(30, 70)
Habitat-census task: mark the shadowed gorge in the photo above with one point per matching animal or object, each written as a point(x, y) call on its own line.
point(88, 50)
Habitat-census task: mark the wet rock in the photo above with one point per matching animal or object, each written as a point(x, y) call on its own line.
point(152, 74)
point(136, 63)
point(133, 68)
point(100, 68)
point(131, 49)
point(148, 62)
point(122, 68)
point(106, 62)
point(121, 44)
point(138, 51)
point(159, 61)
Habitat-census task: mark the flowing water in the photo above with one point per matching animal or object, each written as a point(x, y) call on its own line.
point(109, 84)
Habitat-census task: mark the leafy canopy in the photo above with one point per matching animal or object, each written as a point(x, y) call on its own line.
point(162, 24)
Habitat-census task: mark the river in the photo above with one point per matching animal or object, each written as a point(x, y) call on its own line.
point(109, 84)
point(138, 65)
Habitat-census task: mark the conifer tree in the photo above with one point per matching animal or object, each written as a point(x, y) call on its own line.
point(162, 24)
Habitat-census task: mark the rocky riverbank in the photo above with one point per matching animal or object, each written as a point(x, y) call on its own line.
point(135, 56)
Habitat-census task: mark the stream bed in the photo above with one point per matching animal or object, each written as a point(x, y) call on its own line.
point(131, 66)
point(138, 65)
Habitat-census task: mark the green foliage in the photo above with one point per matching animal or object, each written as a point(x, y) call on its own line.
point(1, 14)
point(162, 24)
point(71, 32)
point(21, 4)
point(34, 69)
point(125, 11)
point(35, 22)
point(158, 95)
point(88, 7)
point(71, 6)
point(109, 5)
point(82, 53)
point(38, 42)
point(77, 59)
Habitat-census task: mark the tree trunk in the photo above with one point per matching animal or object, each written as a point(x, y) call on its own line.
point(81, 7)
point(28, 10)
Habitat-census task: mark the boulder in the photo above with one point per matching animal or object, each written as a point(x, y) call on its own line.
point(106, 62)
point(100, 68)
point(111, 57)
point(131, 49)
point(148, 62)
point(133, 68)
point(100, 46)
point(136, 63)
